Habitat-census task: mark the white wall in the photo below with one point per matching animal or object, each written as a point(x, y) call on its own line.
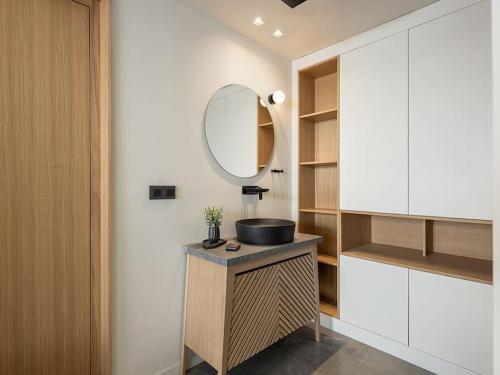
point(168, 60)
point(496, 147)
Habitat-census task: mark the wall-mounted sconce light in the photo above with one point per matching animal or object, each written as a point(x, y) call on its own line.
point(277, 97)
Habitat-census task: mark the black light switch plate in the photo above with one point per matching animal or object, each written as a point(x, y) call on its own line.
point(161, 192)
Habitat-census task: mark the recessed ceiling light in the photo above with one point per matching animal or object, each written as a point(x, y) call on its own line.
point(258, 21)
point(277, 33)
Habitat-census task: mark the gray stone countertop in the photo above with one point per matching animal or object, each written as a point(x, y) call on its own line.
point(247, 252)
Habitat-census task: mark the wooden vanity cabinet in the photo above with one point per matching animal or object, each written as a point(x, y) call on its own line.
point(232, 312)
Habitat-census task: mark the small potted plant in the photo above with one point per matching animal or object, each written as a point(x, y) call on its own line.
point(213, 218)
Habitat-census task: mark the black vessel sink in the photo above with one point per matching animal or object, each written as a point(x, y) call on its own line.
point(265, 231)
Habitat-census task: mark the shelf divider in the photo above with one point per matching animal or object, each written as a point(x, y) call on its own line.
point(266, 124)
point(324, 211)
point(325, 115)
point(327, 259)
point(461, 267)
point(318, 162)
point(328, 309)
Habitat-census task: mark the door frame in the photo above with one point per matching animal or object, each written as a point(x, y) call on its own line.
point(101, 184)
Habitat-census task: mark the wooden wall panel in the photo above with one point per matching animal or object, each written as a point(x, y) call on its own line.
point(395, 231)
point(325, 141)
point(463, 239)
point(325, 186)
point(325, 92)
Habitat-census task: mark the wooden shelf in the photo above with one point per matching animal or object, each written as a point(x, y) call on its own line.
point(472, 269)
point(266, 124)
point(328, 259)
point(315, 163)
point(324, 211)
point(262, 165)
point(328, 309)
point(325, 115)
point(420, 217)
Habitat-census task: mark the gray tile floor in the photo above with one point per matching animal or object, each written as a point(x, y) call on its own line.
point(299, 354)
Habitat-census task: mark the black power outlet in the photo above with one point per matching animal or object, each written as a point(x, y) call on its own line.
point(161, 192)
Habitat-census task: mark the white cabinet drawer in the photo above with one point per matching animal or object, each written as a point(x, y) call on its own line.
point(452, 319)
point(374, 296)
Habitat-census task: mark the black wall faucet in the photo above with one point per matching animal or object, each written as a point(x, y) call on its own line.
point(253, 190)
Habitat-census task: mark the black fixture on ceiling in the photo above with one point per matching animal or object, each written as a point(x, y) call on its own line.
point(293, 3)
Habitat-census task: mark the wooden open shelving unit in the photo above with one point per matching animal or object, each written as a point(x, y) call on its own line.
point(450, 247)
point(265, 136)
point(318, 138)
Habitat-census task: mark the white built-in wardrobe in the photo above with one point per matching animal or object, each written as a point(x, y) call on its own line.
point(416, 139)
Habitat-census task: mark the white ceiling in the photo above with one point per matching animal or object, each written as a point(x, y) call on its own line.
point(310, 26)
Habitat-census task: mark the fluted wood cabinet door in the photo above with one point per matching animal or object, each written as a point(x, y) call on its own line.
point(268, 304)
point(45, 188)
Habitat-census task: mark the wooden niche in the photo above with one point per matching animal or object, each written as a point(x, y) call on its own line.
point(452, 247)
point(265, 136)
point(318, 171)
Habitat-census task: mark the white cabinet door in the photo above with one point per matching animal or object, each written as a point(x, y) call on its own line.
point(450, 110)
point(452, 319)
point(374, 296)
point(374, 127)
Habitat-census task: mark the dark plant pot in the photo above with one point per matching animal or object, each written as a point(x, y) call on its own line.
point(213, 234)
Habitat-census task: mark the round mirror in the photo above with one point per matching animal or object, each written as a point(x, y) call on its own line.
point(239, 131)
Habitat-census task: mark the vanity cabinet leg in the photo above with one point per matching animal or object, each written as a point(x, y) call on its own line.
point(183, 360)
point(317, 333)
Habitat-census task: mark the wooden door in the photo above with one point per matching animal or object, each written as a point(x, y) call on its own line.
point(374, 127)
point(44, 187)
